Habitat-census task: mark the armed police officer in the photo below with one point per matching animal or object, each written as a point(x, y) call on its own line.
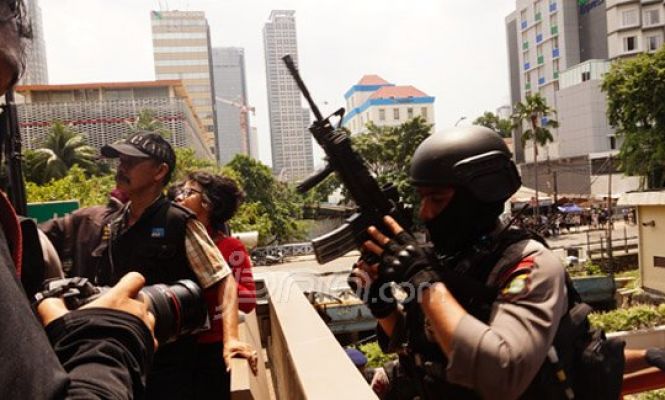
point(485, 301)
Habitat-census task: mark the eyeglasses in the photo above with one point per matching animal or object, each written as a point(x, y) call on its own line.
point(186, 192)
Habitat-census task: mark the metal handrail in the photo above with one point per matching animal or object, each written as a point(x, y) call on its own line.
point(643, 381)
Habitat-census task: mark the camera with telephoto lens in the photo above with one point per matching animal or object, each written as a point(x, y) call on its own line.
point(179, 309)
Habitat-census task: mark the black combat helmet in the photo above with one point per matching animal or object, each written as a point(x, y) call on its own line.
point(473, 157)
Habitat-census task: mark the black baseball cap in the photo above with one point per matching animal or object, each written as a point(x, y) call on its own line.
point(143, 145)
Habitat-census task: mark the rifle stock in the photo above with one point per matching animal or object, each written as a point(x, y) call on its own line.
point(373, 201)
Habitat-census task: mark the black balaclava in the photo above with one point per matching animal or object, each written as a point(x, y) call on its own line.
point(462, 222)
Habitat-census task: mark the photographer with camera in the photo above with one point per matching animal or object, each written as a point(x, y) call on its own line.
point(101, 351)
point(164, 242)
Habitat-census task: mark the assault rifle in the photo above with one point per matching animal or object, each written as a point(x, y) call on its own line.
point(10, 143)
point(373, 201)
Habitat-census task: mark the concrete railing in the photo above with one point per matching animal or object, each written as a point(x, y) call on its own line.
point(305, 360)
point(244, 384)
point(649, 379)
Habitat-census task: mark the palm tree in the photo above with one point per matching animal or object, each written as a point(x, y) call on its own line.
point(147, 121)
point(536, 113)
point(62, 148)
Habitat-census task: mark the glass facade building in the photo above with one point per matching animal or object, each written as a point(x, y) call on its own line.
point(232, 109)
point(181, 49)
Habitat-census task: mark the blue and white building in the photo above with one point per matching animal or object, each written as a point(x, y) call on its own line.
point(375, 100)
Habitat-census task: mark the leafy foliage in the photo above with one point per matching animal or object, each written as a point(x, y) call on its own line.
point(88, 191)
point(534, 111)
point(388, 150)
point(62, 148)
point(186, 162)
point(637, 317)
point(147, 121)
point(592, 269)
point(375, 357)
point(320, 193)
point(650, 395)
point(503, 127)
point(635, 88)
point(273, 207)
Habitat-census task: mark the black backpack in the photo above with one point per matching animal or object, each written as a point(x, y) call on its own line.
point(585, 363)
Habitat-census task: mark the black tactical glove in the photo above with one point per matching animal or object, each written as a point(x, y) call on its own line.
point(378, 295)
point(403, 257)
point(656, 357)
point(380, 299)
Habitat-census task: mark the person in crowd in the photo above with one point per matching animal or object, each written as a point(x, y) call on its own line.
point(163, 241)
point(488, 331)
point(215, 199)
point(100, 351)
point(74, 234)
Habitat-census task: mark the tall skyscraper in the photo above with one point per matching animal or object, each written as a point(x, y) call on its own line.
point(36, 71)
point(181, 49)
point(228, 68)
point(291, 142)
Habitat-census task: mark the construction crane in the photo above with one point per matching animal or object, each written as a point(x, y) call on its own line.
point(244, 109)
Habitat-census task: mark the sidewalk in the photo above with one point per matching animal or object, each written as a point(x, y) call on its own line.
point(578, 236)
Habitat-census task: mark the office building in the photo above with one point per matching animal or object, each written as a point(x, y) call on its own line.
point(634, 27)
point(373, 99)
point(181, 49)
point(558, 48)
point(228, 68)
point(546, 37)
point(290, 140)
point(36, 69)
point(103, 112)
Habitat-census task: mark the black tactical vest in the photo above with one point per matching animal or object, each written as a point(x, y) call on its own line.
point(424, 363)
point(153, 246)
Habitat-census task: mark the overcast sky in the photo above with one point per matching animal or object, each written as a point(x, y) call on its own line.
point(454, 50)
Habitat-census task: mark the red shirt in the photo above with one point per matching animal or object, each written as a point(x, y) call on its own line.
point(237, 257)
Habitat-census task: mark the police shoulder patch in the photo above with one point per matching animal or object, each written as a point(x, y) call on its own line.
point(518, 286)
point(516, 281)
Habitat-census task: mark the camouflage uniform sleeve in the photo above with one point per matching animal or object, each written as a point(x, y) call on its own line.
point(504, 355)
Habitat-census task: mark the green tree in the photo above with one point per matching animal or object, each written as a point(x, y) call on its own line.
point(635, 88)
point(320, 193)
point(537, 114)
point(387, 150)
point(89, 191)
point(186, 162)
point(148, 121)
point(274, 206)
point(62, 148)
point(502, 126)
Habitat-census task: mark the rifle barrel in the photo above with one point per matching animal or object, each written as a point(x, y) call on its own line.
point(301, 85)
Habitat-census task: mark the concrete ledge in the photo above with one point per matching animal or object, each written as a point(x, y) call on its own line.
point(642, 338)
point(244, 385)
point(306, 360)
